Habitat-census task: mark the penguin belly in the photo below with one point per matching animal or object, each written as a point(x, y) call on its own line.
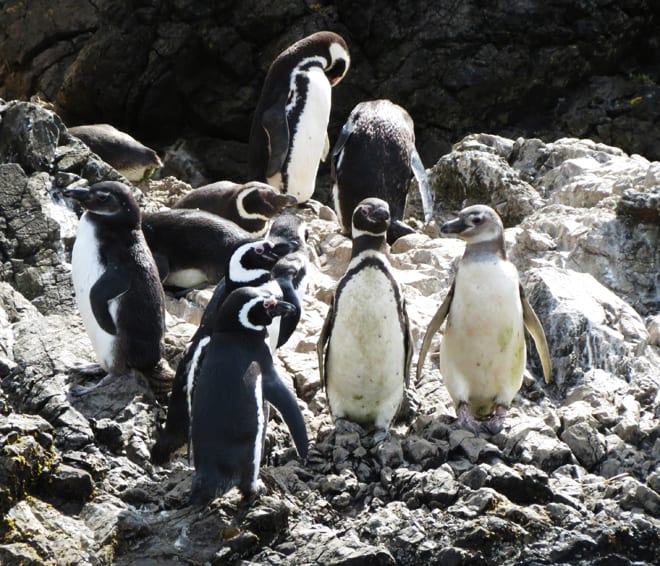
point(86, 268)
point(186, 278)
point(366, 355)
point(482, 354)
point(309, 138)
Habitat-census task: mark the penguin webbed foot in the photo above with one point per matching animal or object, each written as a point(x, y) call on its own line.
point(81, 390)
point(87, 369)
point(495, 423)
point(344, 425)
point(380, 436)
point(466, 420)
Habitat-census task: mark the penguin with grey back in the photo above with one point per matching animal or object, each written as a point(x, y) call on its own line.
point(118, 292)
point(365, 347)
point(375, 156)
point(236, 377)
point(249, 265)
point(251, 206)
point(191, 247)
point(288, 136)
point(482, 354)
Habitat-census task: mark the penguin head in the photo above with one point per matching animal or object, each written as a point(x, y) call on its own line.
point(109, 201)
point(261, 201)
point(475, 224)
point(289, 227)
point(251, 308)
point(371, 217)
point(338, 57)
point(253, 260)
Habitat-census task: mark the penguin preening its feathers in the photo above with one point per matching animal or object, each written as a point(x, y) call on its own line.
point(482, 354)
point(288, 136)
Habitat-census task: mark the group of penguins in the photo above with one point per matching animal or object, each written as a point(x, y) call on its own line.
point(240, 238)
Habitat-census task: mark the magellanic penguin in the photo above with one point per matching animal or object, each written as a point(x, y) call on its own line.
point(375, 156)
point(289, 136)
point(365, 346)
point(482, 354)
point(251, 206)
point(191, 247)
point(116, 284)
point(249, 265)
point(123, 152)
point(236, 376)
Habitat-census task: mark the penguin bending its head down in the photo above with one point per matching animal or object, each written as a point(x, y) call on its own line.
point(365, 346)
point(375, 156)
point(289, 136)
point(249, 265)
point(116, 284)
point(124, 153)
point(251, 206)
point(235, 378)
point(482, 354)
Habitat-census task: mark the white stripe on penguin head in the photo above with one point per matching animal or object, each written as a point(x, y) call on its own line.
point(237, 272)
point(244, 313)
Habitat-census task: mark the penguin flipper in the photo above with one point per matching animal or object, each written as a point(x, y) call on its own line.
point(345, 133)
point(278, 395)
point(534, 327)
point(275, 125)
point(407, 344)
point(323, 340)
point(112, 284)
point(434, 326)
point(422, 184)
point(162, 264)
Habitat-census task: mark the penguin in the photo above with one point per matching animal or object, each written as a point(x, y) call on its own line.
point(288, 136)
point(123, 152)
point(191, 247)
point(237, 375)
point(375, 156)
point(365, 347)
point(117, 289)
point(251, 206)
point(249, 265)
point(482, 355)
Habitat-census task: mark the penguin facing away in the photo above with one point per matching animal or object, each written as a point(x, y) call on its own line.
point(249, 265)
point(482, 354)
point(375, 156)
point(251, 206)
point(237, 375)
point(123, 152)
point(118, 292)
point(288, 136)
point(365, 347)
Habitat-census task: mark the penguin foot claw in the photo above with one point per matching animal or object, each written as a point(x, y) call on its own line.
point(466, 420)
point(81, 390)
point(495, 423)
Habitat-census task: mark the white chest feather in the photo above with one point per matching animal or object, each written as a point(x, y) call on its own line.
point(308, 140)
point(86, 268)
point(366, 356)
point(482, 356)
point(186, 278)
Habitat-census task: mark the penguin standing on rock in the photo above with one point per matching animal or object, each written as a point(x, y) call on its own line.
point(375, 156)
point(482, 355)
point(289, 136)
point(251, 206)
point(365, 347)
point(116, 283)
point(228, 416)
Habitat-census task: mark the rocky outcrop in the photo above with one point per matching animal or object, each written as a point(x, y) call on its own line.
point(572, 478)
point(185, 78)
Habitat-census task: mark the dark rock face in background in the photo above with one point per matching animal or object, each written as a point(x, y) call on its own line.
point(182, 71)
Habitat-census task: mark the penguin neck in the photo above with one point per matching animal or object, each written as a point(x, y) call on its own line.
point(368, 242)
point(489, 248)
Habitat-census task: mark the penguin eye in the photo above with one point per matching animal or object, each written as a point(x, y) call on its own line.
point(477, 220)
point(259, 250)
point(364, 210)
point(102, 197)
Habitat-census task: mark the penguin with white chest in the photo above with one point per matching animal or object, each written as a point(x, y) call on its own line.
point(482, 354)
point(228, 416)
point(118, 292)
point(375, 156)
point(289, 136)
point(365, 346)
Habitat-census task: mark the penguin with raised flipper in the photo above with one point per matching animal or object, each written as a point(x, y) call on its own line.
point(365, 347)
point(375, 156)
point(482, 354)
point(237, 375)
point(289, 136)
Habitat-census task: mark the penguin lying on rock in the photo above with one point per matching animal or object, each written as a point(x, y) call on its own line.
point(236, 377)
point(118, 292)
point(251, 206)
point(482, 354)
point(365, 347)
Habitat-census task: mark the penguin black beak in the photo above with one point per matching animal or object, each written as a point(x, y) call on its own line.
point(81, 195)
point(281, 249)
point(453, 226)
point(281, 308)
